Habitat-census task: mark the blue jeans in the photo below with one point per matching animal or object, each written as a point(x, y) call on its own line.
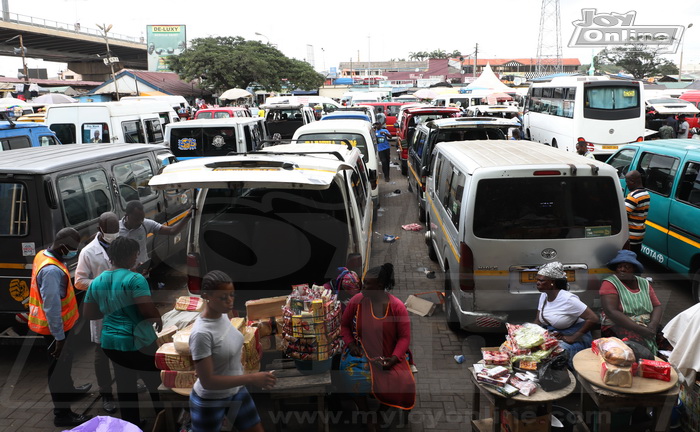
point(571, 349)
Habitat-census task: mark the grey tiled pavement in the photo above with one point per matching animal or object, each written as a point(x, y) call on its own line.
point(444, 390)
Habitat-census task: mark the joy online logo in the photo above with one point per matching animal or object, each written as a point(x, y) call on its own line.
point(615, 29)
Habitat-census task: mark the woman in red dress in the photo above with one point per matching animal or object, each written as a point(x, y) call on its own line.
point(376, 325)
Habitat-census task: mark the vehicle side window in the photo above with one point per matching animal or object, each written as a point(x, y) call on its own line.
point(132, 179)
point(154, 131)
point(14, 218)
point(65, 132)
point(207, 115)
point(418, 143)
point(85, 196)
point(249, 145)
point(622, 161)
point(358, 189)
point(94, 133)
point(16, 142)
point(222, 114)
point(47, 140)
point(658, 172)
point(133, 132)
point(444, 180)
point(455, 195)
point(689, 186)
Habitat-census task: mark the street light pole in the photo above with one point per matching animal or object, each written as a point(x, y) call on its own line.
point(260, 34)
point(680, 63)
point(24, 65)
point(105, 29)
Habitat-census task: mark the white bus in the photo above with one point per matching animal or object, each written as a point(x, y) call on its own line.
point(603, 113)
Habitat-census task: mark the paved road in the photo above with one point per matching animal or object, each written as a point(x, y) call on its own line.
point(444, 390)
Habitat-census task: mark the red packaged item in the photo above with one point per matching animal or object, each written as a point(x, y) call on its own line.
point(512, 328)
point(525, 387)
point(655, 369)
point(495, 358)
point(549, 343)
point(501, 381)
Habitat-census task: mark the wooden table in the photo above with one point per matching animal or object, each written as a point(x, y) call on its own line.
point(646, 393)
point(498, 402)
point(292, 384)
point(173, 400)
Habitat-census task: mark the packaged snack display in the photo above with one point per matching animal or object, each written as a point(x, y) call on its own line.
point(616, 376)
point(252, 350)
point(311, 323)
point(525, 386)
point(178, 379)
point(655, 369)
point(181, 339)
point(239, 323)
point(167, 358)
point(166, 335)
point(484, 377)
point(497, 371)
point(529, 336)
point(191, 304)
point(613, 351)
point(495, 358)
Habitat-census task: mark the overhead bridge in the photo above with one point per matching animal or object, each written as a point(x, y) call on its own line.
point(82, 48)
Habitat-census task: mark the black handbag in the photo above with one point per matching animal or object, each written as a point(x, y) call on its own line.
point(554, 375)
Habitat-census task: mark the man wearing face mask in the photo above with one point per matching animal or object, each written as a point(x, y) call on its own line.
point(53, 311)
point(93, 260)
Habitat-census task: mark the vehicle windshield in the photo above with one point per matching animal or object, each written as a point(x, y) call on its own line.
point(423, 118)
point(467, 134)
point(667, 101)
point(580, 207)
point(202, 141)
point(357, 140)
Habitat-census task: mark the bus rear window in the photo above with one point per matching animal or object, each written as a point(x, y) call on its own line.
point(611, 102)
point(356, 140)
point(202, 141)
point(14, 220)
point(562, 208)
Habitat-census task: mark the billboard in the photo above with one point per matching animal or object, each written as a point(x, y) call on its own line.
point(164, 41)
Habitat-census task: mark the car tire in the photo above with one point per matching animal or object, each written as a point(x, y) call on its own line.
point(431, 249)
point(527, 135)
point(554, 143)
point(404, 167)
point(450, 315)
point(696, 286)
point(421, 214)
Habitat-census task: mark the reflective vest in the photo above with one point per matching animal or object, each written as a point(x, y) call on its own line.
point(69, 305)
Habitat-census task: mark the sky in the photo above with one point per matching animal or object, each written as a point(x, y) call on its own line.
point(341, 31)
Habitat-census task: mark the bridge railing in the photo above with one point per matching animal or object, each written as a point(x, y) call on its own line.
point(72, 28)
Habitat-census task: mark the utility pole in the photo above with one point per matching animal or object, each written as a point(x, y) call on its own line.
point(549, 51)
point(476, 57)
point(24, 67)
point(105, 29)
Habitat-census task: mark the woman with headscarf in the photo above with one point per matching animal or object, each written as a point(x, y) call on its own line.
point(376, 326)
point(630, 306)
point(562, 313)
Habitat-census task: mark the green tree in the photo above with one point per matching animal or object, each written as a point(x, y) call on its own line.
point(639, 61)
point(435, 54)
point(227, 62)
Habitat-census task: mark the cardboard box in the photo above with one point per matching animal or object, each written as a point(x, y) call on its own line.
point(690, 415)
point(420, 306)
point(265, 307)
point(525, 421)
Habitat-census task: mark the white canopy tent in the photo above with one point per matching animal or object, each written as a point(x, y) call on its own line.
point(489, 80)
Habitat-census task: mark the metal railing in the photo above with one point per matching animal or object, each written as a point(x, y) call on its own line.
point(71, 28)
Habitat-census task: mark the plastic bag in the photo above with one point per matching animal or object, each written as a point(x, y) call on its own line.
point(106, 424)
point(554, 374)
point(529, 336)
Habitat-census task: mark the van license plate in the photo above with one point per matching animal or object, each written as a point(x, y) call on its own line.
point(610, 147)
point(529, 276)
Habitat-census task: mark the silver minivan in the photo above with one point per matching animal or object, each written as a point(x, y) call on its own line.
point(499, 209)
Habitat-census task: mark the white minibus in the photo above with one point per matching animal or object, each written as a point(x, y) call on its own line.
point(603, 113)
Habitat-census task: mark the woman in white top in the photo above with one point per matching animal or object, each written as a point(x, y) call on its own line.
point(562, 313)
point(216, 347)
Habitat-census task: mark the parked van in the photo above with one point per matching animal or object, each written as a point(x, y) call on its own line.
point(223, 112)
point(215, 137)
point(175, 101)
point(23, 135)
point(671, 173)
point(428, 135)
point(45, 189)
point(461, 100)
point(328, 104)
point(107, 122)
point(407, 126)
point(282, 119)
point(290, 214)
point(499, 209)
point(390, 110)
point(358, 132)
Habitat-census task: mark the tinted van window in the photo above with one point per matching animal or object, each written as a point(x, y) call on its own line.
point(85, 196)
point(356, 140)
point(658, 172)
point(689, 187)
point(132, 178)
point(14, 219)
point(65, 132)
point(201, 141)
point(154, 131)
point(14, 143)
point(561, 208)
point(133, 131)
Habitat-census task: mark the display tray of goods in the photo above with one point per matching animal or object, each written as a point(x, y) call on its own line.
point(624, 367)
point(513, 368)
point(311, 328)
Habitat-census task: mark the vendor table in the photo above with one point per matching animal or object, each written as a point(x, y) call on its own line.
point(173, 400)
point(292, 384)
point(647, 393)
point(498, 402)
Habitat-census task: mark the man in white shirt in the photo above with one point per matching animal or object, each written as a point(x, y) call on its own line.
point(92, 261)
point(683, 127)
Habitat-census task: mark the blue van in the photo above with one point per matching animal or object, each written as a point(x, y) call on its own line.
point(23, 135)
point(671, 173)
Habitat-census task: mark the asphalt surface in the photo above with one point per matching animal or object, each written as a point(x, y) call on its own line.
point(444, 390)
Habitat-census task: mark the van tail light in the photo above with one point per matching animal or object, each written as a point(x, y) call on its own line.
point(589, 146)
point(105, 133)
point(639, 139)
point(194, 280)
point(466, 267)
point(546, 173)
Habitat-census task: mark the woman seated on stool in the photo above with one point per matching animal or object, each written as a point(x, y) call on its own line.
point(377, 328)
point(216, 348)
point(630, 306)
point(562, 313)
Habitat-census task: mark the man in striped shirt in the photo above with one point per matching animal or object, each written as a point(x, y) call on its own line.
point(637, 204)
